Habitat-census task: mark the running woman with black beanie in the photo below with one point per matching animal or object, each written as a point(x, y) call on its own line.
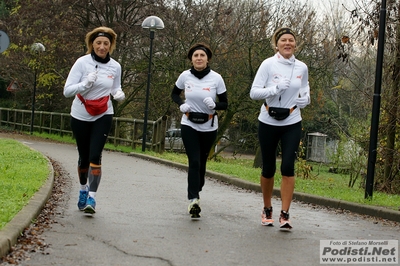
point(94, 76)
point(282, 82)
point(204, 92)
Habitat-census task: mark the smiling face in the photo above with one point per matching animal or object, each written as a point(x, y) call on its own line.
point(199, 60)
point(101, 46)
point(286, 45)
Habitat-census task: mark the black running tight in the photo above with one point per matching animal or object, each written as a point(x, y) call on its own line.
point(269, 137)
point(91, 136)
point(197, 147)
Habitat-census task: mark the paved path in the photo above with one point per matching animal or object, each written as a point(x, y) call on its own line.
point(141, 219)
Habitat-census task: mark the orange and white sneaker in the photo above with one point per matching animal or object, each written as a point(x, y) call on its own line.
point(266, 217)
point(284, 222)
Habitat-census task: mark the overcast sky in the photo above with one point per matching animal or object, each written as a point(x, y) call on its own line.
point(329, 5)
point(332, 8)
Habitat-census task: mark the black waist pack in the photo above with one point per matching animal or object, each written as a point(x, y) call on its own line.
point(279, 113)
point(199, 118)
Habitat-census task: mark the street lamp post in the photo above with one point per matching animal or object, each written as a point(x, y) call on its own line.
point(373, 139)
point(36, 48)
point(152, 23)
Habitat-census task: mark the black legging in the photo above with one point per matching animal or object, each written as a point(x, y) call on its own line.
point(269, 137)
point(91, 136)
point(197, 147)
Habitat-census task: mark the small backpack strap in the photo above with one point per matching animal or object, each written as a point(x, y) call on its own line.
point(81, 98)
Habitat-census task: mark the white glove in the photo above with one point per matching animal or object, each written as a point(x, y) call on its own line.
point(90, 79)
point(282, 86)
point(184, 108)
point(302, 102)
point(209, 102)
point(119, 96)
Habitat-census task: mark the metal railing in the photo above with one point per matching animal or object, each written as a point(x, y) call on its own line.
point(124, 132)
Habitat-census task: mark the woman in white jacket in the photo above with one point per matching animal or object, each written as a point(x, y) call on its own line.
point(282, 82)
point(93, 78)
point(204, 92)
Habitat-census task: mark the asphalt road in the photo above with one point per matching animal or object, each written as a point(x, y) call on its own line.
point(142, 219)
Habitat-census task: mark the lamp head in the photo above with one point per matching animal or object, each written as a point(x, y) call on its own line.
point(153, 23)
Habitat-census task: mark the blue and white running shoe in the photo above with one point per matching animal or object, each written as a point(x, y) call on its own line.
point(90, 205)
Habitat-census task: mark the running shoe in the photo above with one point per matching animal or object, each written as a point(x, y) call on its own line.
point(90, 205)
point(194, 208)
point(284, 220)
point(83, 195)
point(266, 217)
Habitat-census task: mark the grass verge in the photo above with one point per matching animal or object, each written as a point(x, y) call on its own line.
point(22, 172)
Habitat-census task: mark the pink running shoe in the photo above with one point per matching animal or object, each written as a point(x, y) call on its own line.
point(284, 220)
point(266, 217)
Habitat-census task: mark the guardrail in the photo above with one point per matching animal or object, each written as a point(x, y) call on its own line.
point(125, 131)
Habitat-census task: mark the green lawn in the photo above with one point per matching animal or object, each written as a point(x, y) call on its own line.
point(22, 172)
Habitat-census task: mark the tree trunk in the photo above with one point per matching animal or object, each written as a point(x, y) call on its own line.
point(258, 159)
point(222, 127)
